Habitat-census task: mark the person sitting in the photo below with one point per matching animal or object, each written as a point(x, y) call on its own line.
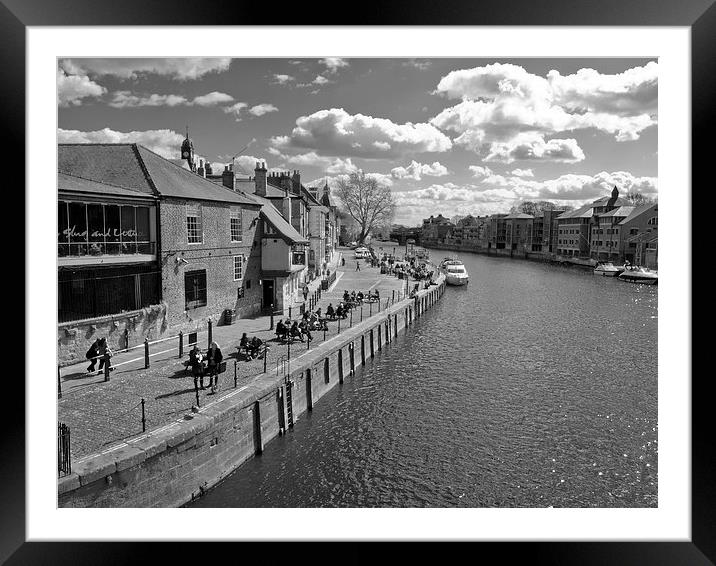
point(330, 311)
point(303, 327)
point(254, 347)
point(353, 296)
point(296, 331)
point(318, 312)
point(340, 311)
point(281, 330)
point(359, 297)
point(346, 296)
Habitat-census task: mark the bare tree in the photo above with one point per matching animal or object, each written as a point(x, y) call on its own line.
point(636, 198)
point(368, 202)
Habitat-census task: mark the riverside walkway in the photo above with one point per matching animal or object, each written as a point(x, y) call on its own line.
point(104, 413)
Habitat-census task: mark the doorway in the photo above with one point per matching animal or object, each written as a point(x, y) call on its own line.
point(268, 293)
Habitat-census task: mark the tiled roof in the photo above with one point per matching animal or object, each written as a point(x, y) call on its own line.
point(78, 184)
point(586, 211)
point(619, 211)
point(638, 211)
point(271, 213)
point(132, 166)
point(518, 216)
point(114, 164)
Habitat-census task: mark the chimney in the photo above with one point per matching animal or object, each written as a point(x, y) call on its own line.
point(227, 179)
point(207, 169)
point(260, 179)
point(286, 183)
point(296, 178)
point(200, 170)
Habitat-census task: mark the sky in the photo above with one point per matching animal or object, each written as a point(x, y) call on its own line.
point(447, 136)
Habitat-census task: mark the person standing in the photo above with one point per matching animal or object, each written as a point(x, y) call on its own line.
point(213, 358)
point(305, 293)
point(343, 262)
point(196, 360)
point(357, 265)
point(105, 354)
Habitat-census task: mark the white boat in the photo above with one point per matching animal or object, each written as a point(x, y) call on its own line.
point(607, 269)
point(455, 272)
point(638, 274)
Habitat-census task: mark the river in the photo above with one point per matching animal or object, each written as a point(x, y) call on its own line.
point(533, 386)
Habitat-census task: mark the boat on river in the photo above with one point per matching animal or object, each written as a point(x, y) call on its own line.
point(607, 269)
point(638, 274)
point(455, 272)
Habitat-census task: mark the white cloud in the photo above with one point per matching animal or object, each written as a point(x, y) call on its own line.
point(283, 79)
point(213, 99)
point(335, 132)
point(480, 172)
point(236, 109)
point(417, 170)
point(72, 89)
point(176, 68)
point(125, 99)
point(500, 102)
point(320, 80)
point(522, 173)
point(533, 147)
point(334, 63)
point(261, 109)
point(166, 143)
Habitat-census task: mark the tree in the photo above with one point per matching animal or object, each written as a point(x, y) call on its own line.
point(636, 198)
point(533, 207)
point(368, 202)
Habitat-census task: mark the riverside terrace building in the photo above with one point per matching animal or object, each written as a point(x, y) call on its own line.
point(639, 233)
point(518, 232)
point(435, 229)
point(162, 250)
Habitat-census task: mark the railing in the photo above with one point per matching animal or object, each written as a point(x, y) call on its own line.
point(64, 461)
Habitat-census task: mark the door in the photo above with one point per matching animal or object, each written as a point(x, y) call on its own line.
point(268, 297)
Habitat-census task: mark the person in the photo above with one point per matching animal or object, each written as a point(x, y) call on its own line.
point(296, 331)
point(343, 262)
point(92, 354)
point(244, 342)
point(353, 296)
point(213, 358)
point(255, 346)
point(305, 292)
point(346, 296)
point(281, 330)
point(359, 296)
point(330, 312)
point(105, 354)
point(196, 361)
point(339, 310)
point(303, 327)
point(357, 265)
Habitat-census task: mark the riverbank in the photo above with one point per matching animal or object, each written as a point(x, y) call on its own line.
point(545, 257)
point(184, 452)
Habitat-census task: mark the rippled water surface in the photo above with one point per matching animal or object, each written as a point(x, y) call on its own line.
point(533, 386)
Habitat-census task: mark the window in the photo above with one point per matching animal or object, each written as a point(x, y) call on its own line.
point(653, 221)
point(236, 226)
point(195, 289)
point(194, 232)
point(238, 267)
point(634, 231)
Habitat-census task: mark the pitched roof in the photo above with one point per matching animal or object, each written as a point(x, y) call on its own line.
point(619, 211)
point(586, 211)
point(271, 213)
point(639, 210)
point(132, 166)
point(519, 216)
point(72, 183)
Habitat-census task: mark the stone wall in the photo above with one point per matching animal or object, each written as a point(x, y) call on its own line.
point(176, 463)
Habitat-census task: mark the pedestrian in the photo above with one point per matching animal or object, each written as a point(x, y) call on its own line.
point(305, 293)
point(105, 354)
point(343, 262)
point(196, 361)
point(92, 354)
point(357, 265)
point(213, 358)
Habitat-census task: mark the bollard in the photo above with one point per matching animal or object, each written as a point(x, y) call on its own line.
point(351, 323)
point(393, 296)
point(181, 343)
point(126, 339)
point(146, 353)
point(378, 305)
point(289, 348)
point(289, 312)
point(144, 420)
point(339, 326)
point(265, 356)
point(59, 384)
point(271, 327)
point(210, 324)
point(106, 367)
point(235, 370)
point(308, 342)
point(196, 391)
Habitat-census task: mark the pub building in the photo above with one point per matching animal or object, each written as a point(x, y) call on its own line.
point(150, 246)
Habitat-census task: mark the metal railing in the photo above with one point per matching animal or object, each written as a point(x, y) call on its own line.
point(64, 460)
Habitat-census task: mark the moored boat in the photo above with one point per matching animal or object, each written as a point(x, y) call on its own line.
point(607, 269)
point(455, 272)
point(638, 274)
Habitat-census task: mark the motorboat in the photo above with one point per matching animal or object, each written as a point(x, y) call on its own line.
point(638, 274)
point(607, 269)
point(455, 272)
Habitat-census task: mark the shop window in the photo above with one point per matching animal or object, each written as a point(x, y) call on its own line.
point(195, 289)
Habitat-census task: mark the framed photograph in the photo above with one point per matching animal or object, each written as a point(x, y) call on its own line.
point(486, 384)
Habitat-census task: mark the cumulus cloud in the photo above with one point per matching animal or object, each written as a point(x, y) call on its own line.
point(417, 170)
point(480, 172)
point(334, 63)
point(261, 109)
point(335, 132)
point(166, 143)
point(332, 180)
point(283, 79)
point(501, 102)
point(72, 89)
point(126, 99)
point(522, 173)
point(533, 147)
point(187, 68)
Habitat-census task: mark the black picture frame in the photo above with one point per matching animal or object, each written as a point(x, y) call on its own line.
point(699, 15)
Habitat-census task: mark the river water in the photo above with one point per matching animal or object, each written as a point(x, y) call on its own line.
point(534, 386)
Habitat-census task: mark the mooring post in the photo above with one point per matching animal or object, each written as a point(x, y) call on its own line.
point(210, 325)
point(393, 296)
point(106, 359)
point(235, 376)
point(339, 325)
point(144, 420)
point(146, 353)
point(126, 339)
point(181, 344)
point(351, 323)
point(271, 327)
point(265, 357)
point(196, 391)
point(289, 312)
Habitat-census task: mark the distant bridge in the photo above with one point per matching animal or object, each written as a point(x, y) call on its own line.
point(402, 236)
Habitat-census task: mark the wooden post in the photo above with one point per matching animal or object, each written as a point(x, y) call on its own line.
point(146, 353)
point(144, 420)
point(126, 339)
point(210, 325)
point(181, 344)
point(271, 327)
point(257, 428)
